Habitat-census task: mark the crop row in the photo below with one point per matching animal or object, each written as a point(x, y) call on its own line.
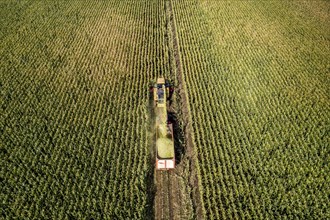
point(74, 120)
point(258, 101)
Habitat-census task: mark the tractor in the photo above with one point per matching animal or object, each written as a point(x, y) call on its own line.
point(165, 155)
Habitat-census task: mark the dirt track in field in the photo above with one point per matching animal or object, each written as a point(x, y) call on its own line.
point(176, 192)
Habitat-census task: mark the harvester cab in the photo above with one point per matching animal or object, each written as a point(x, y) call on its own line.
point(162, 92)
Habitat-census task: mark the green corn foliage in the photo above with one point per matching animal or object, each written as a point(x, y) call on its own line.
point(257, 76)
point(74, 117)
point(74, 79)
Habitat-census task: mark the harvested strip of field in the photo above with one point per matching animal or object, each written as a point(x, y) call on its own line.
point(176, 191)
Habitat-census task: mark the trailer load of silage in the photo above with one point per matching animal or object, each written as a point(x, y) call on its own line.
point(162, 131)
point(165, 148)
point(161, 116)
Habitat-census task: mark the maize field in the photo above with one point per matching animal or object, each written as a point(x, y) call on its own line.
point(251, 102)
